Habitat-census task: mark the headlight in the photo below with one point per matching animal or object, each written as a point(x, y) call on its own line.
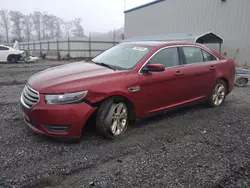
point(65, 98)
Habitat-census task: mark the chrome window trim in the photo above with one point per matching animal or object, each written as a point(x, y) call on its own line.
point(176, 46)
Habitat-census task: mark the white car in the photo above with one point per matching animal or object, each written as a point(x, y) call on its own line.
point(12, 55)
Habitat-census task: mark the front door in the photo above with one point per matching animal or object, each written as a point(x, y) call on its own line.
point(160, 90)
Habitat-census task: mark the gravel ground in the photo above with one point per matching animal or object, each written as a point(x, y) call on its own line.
point(191, 147)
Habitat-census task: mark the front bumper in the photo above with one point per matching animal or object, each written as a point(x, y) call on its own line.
point(42, 115)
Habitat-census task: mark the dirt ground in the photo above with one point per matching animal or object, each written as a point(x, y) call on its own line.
point(192, 147)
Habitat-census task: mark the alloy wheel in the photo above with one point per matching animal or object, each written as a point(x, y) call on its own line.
point(119, 119)
point(219, 94)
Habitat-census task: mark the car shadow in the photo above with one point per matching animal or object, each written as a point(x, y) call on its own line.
point(7, 63)
point(38, 138)
point(89, 131)
point(166, 114)
point(90, 128)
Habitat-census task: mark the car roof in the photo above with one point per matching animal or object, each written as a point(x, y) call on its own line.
point(161, 43)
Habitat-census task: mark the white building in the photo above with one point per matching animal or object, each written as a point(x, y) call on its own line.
point(230, 19)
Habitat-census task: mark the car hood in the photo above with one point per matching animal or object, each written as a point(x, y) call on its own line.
point(19, 51)
point(68, 78)
point(15, 51)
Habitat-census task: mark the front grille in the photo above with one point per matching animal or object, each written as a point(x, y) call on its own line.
point(29, 97)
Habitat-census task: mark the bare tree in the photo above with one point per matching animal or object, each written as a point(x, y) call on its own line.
point(45, 25)
point(16, 18)
point(58, 23)
point(5, 22)
point(67, 27)
point(78, 29)
point(52, 26)
point(37, 22)
point(1, 37)
point(27, 26)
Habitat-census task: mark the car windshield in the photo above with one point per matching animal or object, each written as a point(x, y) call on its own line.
point(123, 56)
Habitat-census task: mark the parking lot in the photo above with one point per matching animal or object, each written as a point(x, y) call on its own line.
point(191, 147)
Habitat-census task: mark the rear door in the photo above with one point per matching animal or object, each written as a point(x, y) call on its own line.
point(199, 72)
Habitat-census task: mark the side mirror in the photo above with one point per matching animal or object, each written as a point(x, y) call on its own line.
point(153, 68)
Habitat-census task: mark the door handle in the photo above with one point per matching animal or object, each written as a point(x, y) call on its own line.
point(178, 73)
point(212, 67)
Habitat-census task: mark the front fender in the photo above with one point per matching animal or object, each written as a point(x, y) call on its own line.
point(96, 97)
point(16, 52)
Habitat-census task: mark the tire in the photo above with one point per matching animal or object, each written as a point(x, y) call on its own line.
point(241, 82)
point(218, 94)
point(13, 59)
point(112, 118)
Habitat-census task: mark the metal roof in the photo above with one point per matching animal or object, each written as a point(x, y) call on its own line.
point(142, 6)
point(205, 38)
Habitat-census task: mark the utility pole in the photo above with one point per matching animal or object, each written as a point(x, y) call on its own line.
point(125, 5)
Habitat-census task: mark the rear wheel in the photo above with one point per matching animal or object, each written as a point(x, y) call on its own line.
point(112, 118)
point(218, 95)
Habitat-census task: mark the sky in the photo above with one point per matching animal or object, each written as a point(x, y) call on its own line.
point(96, 15)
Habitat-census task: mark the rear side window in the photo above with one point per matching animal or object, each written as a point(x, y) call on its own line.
point(208, 57)
point(3, 48)
point(168, 57)
point(192, 55)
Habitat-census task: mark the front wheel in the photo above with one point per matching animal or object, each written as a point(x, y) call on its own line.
point(218, 95)
point(112, 119)
point(13, 59)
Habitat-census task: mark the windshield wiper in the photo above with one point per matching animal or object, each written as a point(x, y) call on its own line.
point(103, 64)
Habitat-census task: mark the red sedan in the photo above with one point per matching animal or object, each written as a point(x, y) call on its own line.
point(122, 84)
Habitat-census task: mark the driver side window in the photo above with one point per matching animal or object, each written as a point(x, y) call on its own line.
point(168, 57)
